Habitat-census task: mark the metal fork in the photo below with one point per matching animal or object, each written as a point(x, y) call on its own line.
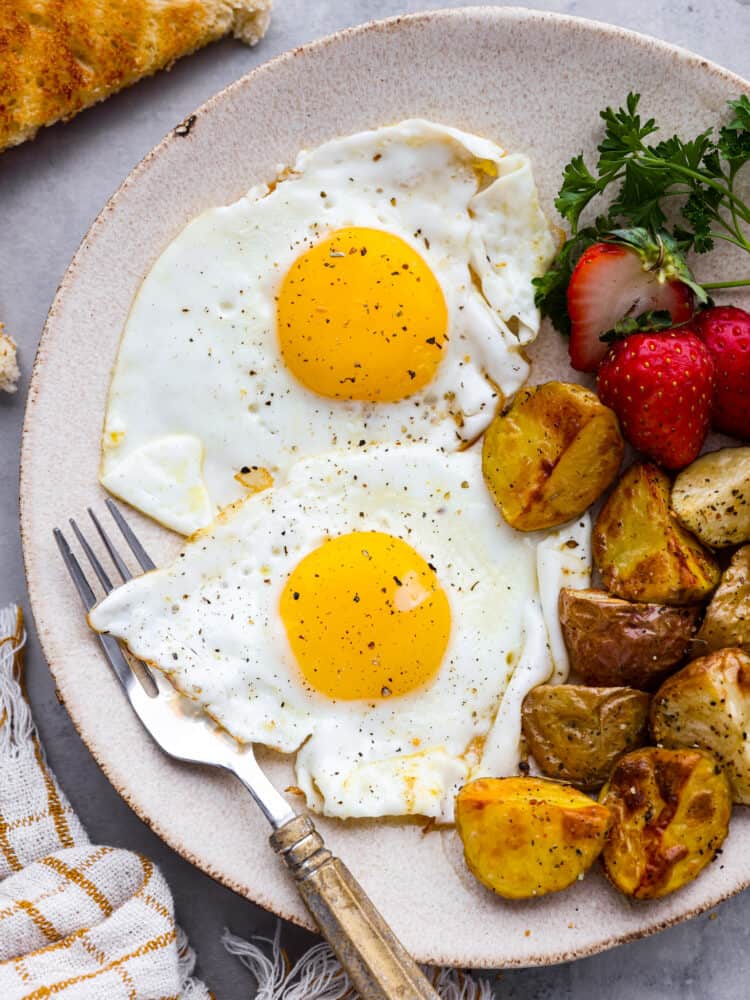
point(378, 965)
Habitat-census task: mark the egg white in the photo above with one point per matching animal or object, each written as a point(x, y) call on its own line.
point(211, 622)
point(200, 389)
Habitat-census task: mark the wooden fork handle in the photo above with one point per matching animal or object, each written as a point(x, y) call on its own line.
point(379, 966)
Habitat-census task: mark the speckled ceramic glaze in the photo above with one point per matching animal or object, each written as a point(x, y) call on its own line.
point(533, 82)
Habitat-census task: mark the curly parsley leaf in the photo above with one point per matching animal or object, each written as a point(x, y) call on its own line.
point(623, 135)
point(578, 188)
point(649, 182)
point(741, 108)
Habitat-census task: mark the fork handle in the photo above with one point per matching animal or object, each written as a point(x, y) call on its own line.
point(378, 965)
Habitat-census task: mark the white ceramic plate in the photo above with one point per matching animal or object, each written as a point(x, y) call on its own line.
point(534, 82)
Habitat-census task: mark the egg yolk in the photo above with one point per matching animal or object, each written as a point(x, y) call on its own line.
point(366, 617)
point(361, 316)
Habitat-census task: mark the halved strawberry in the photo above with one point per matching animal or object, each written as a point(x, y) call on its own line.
point(630, 274)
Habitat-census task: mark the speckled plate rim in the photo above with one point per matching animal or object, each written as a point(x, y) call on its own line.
point(66, 288)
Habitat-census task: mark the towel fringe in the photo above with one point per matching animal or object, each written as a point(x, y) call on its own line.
point(317, 975)
point(190, 989)
point(16, 723)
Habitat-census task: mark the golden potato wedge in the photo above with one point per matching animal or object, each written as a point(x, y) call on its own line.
point(707, 704)
point(712, 497)
point(576, 733)
point(526, 837)
point(643, 553)
point(670, 815)
point(614, 642)
point(550, 455)
point(727, 619)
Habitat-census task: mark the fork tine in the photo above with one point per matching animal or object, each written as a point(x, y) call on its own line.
point(124, 672)
point(122, 569)
point(104, 580)
point(144, 559)
point(79, 579)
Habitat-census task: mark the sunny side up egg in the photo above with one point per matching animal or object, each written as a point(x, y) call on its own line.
point(374, 613)
point(378, 291)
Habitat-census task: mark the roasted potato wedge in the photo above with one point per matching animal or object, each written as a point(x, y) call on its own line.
point(526, 837)
point(614, 642)
point(712, 497)
point(670, 815)
point(643, 553)
point(550, 455)
point(576, 733)
point(727, 620)
point(707, 704)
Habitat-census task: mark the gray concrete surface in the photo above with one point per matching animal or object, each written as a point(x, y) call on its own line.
point(50, 191)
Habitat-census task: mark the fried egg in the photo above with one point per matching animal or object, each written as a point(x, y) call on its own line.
point(373, 614)
point(377, 291)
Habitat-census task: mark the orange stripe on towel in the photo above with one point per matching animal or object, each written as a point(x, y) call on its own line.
point(39, 920)
point(55, 805)
point(73, 875)
point(155, 944)
point(7, 848)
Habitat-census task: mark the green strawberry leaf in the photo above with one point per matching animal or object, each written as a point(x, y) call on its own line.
point(648, 322)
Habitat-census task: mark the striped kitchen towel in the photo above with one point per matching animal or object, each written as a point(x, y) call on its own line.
point(77, 921)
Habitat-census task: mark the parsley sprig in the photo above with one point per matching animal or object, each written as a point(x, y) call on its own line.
point(696, 177)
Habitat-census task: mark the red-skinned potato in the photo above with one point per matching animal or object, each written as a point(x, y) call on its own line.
point(576, 733)
point(613, 642)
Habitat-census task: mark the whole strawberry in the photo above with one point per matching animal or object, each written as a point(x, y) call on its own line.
point(660, 385)
point(725, 330)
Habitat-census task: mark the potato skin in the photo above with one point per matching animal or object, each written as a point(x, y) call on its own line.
point(612, 642)
point(550, 455)
point(727, 619)
point(576, 733)
point(707, 704)
point(670, 815)
point(711, 497)
point(641, 550)
point(525, 837)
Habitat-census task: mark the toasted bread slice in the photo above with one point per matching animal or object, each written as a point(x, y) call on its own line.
point(59, 56)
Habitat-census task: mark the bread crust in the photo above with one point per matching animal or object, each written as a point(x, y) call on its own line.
point(60, 56)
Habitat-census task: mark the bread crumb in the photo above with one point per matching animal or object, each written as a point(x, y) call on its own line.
point(9, 372)
point(250, 20)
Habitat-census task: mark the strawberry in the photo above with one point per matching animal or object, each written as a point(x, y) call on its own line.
point(725, 330)
point(630, 274)
point(660, 386)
